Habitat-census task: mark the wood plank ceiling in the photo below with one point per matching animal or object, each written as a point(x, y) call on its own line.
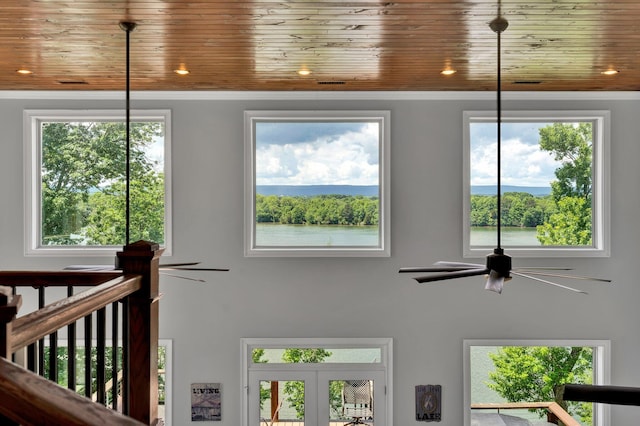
point(355, 45)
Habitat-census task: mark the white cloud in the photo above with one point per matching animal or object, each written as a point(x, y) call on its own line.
point(522, 164)
point(347, 159)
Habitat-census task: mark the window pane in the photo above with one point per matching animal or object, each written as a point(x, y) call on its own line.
point(546, 182)
point(501, 374)
point(83, 182)
point(317, 183)
point(281, 401)
point(351, 401)
point(554, 183)
point(316, 355)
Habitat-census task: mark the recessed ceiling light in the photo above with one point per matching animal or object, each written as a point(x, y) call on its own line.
point(304, 72)
point(24, 71)
point(610, 72)
point(181, 71)
point(448, 71)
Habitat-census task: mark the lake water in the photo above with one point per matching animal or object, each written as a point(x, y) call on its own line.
point(510, 236)
point(277, 235)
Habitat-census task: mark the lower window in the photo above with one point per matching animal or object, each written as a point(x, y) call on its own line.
point(500, 372)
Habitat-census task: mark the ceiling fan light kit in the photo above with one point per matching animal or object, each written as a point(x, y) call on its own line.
point(498, 268)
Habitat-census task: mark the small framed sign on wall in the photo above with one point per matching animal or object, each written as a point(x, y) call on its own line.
point(206, 402)
point(428, 403)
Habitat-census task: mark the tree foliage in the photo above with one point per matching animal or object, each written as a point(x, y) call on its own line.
point(317, 210)
point(519, 209)
point(571, 224)
point(83, 174)
point(535, 373)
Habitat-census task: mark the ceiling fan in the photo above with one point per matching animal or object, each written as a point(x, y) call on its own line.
point(128, 27)
point(498, 265)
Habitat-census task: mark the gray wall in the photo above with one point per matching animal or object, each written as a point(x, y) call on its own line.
point(277, 297)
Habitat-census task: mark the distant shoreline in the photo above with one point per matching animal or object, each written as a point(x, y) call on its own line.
point(314, 190)
point(372, 190)
point(538, 191)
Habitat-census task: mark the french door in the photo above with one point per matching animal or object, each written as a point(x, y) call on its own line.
point(318, 397)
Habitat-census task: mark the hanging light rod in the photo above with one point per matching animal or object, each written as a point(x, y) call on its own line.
point(128, 27)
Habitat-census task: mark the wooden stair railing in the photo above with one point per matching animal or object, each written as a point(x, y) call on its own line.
point(137, 283)
point(29, 399)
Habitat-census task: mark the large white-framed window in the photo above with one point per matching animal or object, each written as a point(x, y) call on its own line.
point(319, 381)
point(504, 370)
point(75, 180)
point(554, 183)
point(317, 183)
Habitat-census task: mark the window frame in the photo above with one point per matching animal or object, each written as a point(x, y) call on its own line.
point(32, 120)
point(601, 120)
point(383, 249)
point(601, 367)
point(284, 371)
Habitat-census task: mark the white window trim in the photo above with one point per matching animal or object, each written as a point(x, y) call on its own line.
point(601, 362)
point(385, 365)
point(32, 181)
point(384, 248)
point(601, 182)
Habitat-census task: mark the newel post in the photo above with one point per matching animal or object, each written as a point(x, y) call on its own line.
point(8, 310)
point(143, 258)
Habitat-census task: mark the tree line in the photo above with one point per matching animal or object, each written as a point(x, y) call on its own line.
point(356, 210)
point(519, 209)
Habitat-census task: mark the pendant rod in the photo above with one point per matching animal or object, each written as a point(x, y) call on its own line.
point(498, 25)
point(128, 27)
point(499, 136)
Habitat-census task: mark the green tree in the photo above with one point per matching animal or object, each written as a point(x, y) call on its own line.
point(572, 146)
point(536, 373)
point(569, 226)
point(80, 159)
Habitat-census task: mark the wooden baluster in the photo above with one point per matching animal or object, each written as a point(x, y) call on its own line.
point(101, 348)
point(115, 336)
point(71, 350)
point(9, 306)
point(143, 258)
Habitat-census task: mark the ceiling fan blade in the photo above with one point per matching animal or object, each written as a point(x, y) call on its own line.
point(171, 265)
point(179, 268)
point(451, 275)
point(545, 268)
point(182, 277)
point(438, 268)
point(575, 277)
point(548, 282)
point(495, 282)
point(94, 268)
point(460, 264)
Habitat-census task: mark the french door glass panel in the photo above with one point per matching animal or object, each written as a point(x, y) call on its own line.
point(351, 396)
point(285, 396)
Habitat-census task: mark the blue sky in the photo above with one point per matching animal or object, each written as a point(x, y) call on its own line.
point(317, 153)
point(523, 163)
